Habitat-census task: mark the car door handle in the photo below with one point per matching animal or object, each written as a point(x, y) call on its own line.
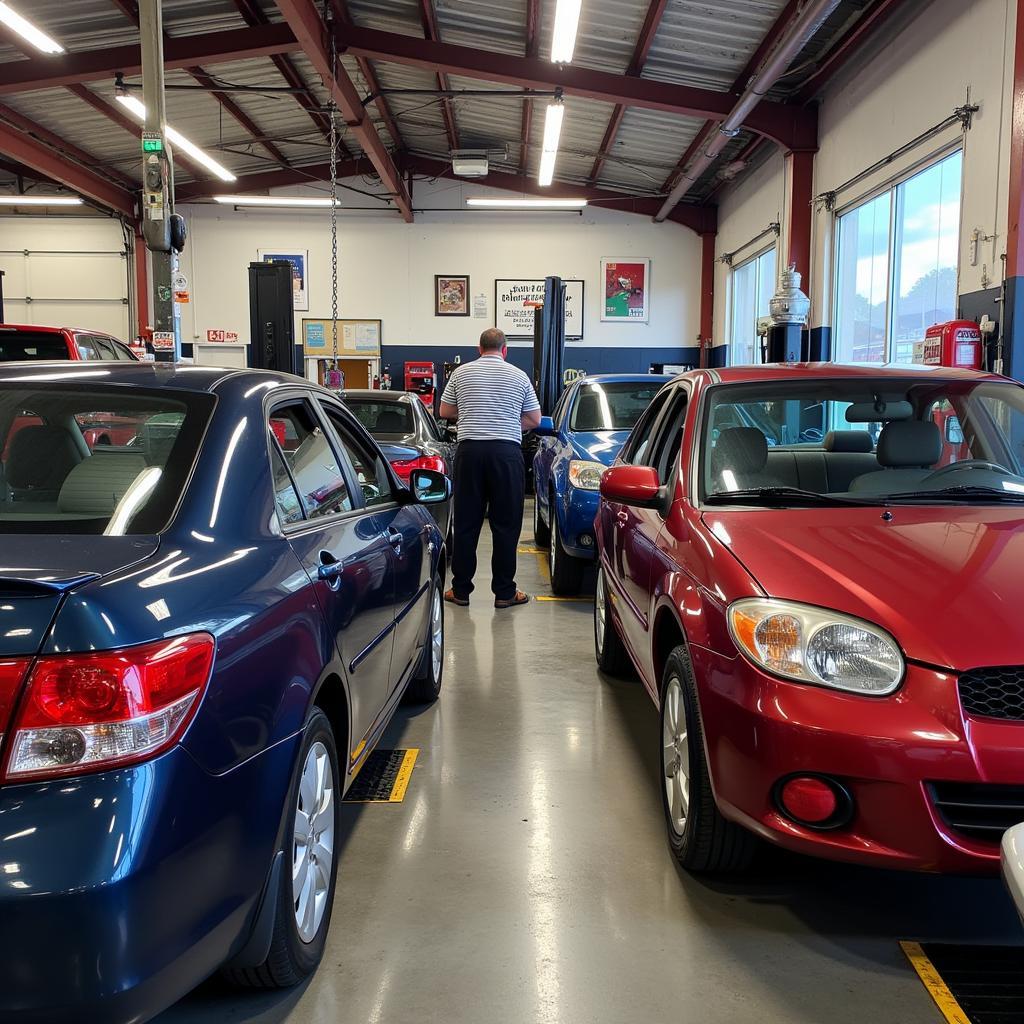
point(330, 569)
point(622, 517)
point(394, 538)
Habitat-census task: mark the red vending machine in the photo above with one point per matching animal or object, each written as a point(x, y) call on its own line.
point(954, 343)
point(419, 379)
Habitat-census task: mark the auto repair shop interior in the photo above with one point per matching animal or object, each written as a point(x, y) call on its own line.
point(752, 751)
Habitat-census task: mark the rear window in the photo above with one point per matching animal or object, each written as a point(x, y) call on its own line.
point(17, 346)
point(383, 418)
point(611, 406)
point(89, 459)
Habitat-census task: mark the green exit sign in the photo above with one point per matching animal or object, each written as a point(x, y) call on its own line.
point(152, 144)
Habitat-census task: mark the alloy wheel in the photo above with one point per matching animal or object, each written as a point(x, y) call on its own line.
point(600, 611)
point(313, 845)
point(675, 755)
point(436, 632)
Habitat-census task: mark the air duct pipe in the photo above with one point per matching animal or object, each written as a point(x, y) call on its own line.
point(800, 31)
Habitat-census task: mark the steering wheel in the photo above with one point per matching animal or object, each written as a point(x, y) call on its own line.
point(956, 467)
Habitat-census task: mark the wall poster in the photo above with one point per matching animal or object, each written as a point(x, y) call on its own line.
point(299, 259)
point(451, 295)
point(513, 306)
point(626, 288)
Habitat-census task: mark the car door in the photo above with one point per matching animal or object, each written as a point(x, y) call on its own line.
point(549, 449)
point(344, 551)
point(407, 529)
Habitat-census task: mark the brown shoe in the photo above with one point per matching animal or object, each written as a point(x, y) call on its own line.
point(520, 598)
point(462, 602)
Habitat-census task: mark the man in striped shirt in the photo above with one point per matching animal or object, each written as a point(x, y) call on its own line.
point(494, 402)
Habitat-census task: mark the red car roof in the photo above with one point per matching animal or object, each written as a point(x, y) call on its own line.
point(804, 371)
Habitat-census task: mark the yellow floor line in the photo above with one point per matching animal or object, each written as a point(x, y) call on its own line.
point(552, 597)
point(404, 774)
point(532, 551)
point(542, 563)
point(932, 980)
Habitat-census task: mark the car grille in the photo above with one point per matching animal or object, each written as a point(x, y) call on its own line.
point(994, 692)
point(978, 810)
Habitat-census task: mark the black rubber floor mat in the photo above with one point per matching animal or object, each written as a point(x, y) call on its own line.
point(972, 984)
point(384, 778)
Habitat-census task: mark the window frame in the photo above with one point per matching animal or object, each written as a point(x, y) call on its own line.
point(362, 439)
point(891, 188)
point(652, 414)
point(755, 258)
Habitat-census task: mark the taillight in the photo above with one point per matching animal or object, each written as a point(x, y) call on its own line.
point(85, 712)
point(404, 467)
point(12, 672)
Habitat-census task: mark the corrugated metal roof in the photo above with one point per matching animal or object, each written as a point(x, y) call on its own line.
point(703, 43)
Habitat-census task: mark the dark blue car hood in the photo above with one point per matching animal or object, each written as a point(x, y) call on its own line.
point(598, 445)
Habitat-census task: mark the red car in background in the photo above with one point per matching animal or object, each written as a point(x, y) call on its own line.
point(829, 623)
point(20, 342)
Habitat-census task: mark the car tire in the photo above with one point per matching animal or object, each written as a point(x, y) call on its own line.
point(566, 571)
point(425, 687)
point(297, 948)
point(541, 531)
point(612, 656)
point(700, 838)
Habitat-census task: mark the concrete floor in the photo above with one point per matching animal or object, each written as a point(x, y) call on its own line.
point(526, 877)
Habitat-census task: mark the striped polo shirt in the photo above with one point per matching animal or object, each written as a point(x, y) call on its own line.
point(492, 396)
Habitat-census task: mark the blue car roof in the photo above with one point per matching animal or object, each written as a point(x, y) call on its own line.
point(624, 378)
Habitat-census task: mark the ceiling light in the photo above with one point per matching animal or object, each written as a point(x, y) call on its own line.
point(134, 105)
point(552, 131)
point(293, 201)
point(39, 39)
point(563, 37)
point(38, 200)
point(527, 204)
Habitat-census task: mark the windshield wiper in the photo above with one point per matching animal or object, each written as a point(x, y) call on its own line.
point(782, 497)
point(965, 495)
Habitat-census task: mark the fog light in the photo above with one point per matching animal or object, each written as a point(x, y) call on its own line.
point(586, 540)
point(814, 801)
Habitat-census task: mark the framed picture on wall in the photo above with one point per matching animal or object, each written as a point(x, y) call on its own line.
point(299, 259)
point(626, 290)
point(451, 295)
point(516, 298)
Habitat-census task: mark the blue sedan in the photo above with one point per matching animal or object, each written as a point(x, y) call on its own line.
point(579, 441)
point(204, 631)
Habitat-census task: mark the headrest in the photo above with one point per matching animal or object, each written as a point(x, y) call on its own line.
point(392, 421)
point(848, 441)
point(741, 449)
point(158, 439)
point(909, 443)
point(98, 483)
point(40, 457)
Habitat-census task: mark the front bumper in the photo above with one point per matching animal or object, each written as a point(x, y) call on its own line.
point(885, 751)
point(579, 509)
point(121, 891)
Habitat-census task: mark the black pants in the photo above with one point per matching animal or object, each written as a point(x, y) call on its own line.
point(490, 480)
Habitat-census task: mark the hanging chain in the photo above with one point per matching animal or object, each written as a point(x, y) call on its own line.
point(334, 209)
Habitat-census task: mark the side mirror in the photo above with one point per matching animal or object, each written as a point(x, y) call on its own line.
point(638, 486)
point(429, 487)
point(954, 432)
point(546, 427)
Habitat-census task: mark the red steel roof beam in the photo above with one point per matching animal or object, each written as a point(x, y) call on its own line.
point(531, 49)
point(428, 18)
point(305, 21)
point(636, 66)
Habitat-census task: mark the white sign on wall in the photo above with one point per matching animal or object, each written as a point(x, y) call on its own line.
point(516, 298)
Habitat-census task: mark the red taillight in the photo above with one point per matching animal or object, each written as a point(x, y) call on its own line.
point(84, 712)
point(404, 467)
point(12, 672)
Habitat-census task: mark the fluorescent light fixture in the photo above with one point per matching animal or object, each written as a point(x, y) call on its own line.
point(134, 105)
point(39, 39)
point(527, 204)
point(293, 201)
point(563, 38)
point(552, 132)
point(38, 200)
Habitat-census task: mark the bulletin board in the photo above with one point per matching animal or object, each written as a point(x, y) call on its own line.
point(355, 338)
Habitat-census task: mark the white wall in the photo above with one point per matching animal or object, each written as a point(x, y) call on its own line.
point(387, 267)
point(75, 273)
point(909, 79)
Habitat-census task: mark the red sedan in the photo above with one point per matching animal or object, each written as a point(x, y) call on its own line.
point(818, 573)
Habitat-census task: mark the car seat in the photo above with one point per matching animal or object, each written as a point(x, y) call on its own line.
point(588, 413)
point(847, 441)
point(39, 460)
point(98, 483)
point(392, 421)
point(907, 449)
point(739, 460)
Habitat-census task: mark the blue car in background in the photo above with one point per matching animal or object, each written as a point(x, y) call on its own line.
point(204, 631)
point(578, 442)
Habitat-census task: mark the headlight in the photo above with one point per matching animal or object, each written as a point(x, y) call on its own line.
point(586, 475)
point(815, 645)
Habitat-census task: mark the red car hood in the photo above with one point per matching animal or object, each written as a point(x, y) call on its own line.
point(948, 582)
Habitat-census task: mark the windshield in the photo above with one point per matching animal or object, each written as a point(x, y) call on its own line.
point(865, 440)
point(383, 418)
point(611, 406)
point(90, 459)
point(16, 346)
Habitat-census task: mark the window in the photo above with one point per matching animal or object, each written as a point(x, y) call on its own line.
point(370, 471)
point(16, 346)
point(311, 460)
point(671, 437)
point(753, 284)
point(635, 449)
point(611, 406)
point(896, 265)
point(289, 506)
point(383, 417)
